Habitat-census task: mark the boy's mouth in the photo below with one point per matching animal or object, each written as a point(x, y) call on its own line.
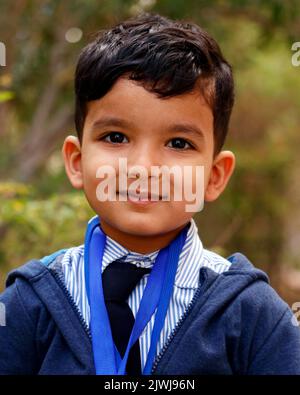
point(140, 197)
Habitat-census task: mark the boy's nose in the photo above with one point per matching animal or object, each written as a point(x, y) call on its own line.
point(145, 156)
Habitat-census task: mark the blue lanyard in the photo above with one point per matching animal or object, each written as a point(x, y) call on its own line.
point(156, 295)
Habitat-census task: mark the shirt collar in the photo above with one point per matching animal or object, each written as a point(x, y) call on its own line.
point(114, 250)
point(190, 260)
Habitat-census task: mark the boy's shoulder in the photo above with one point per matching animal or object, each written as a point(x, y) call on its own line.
point(33, 269)
point(235, 268)
point(237, 263)
point(72, 259)
point(65, 255)
point(215, 261)
point(234, 274)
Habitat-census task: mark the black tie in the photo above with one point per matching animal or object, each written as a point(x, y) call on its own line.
point(119, 279)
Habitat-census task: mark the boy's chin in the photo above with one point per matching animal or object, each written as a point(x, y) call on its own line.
point(135, 226)
point(141, 228)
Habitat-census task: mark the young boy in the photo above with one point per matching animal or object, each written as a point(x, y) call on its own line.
point(142, 295)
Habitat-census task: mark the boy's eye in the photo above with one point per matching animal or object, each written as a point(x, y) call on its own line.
point(179, 143)
point(118, 138)
point(114, 137)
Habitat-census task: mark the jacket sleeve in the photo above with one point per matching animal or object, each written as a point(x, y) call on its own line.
point(280, 352)
point(263, 334)
point(17, 331)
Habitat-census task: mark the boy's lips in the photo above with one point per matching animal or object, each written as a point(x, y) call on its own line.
point(142, 197)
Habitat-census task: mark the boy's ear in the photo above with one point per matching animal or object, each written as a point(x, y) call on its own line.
point(222, 168)
point(72, 157)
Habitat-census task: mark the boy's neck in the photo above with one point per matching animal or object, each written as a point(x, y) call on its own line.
point(140, 244)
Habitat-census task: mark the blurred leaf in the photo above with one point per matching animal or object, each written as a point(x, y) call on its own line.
point(6, 95)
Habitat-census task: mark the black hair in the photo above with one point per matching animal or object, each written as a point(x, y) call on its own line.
point(166, 57)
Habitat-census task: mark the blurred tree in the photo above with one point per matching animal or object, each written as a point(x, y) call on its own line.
point(41, 62)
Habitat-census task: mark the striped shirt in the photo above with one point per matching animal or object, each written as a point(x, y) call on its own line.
point(192, 257)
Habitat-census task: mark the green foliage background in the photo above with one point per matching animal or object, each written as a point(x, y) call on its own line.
point(259, 212)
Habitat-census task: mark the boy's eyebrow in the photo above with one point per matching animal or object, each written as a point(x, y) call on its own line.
point(174, 128)
point(111, 121)
point(186, 128)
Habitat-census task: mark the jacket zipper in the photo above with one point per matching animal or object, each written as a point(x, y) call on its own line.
point(175, 330)
point(72, 302)
point(88, 332)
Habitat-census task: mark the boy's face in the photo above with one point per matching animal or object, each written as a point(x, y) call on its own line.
point(147, 133)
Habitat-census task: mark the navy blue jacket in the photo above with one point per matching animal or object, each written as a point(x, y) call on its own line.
point(235, 324)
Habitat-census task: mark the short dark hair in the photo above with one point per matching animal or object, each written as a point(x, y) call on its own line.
point(166, 57)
